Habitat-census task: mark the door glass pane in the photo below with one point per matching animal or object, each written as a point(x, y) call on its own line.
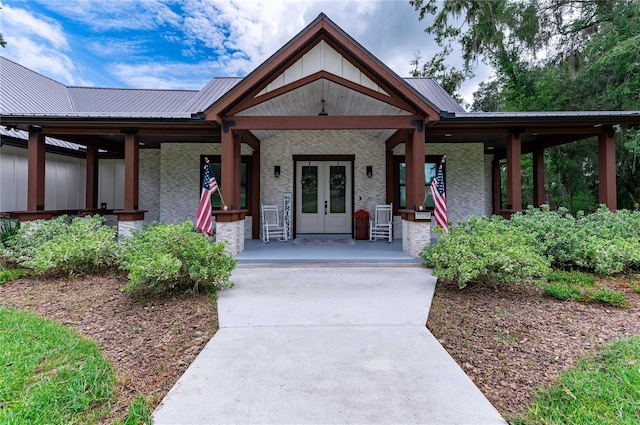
point(309, 181)
point(337, 188)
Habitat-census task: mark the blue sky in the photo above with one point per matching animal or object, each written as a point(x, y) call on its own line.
point(182, 44)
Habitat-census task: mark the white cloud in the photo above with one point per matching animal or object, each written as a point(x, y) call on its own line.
point(39, 43)
point(115, 15)
point(15, 20)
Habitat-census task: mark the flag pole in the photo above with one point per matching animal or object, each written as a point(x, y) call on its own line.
point(206, 160)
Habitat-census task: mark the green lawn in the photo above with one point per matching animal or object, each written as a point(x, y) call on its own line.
point(50, 374)
point(602, 389)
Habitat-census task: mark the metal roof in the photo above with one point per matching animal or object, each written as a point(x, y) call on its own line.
point(212, 91)
point(431, 90)
point(129, 101)
point(24, 90)
point(23, 135)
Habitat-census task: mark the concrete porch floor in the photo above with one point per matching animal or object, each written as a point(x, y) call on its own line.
point(376, 252)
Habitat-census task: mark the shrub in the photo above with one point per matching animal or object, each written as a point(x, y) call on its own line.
point(163, 258)
point(83, 245)
point(486, 251)
point(8, 228)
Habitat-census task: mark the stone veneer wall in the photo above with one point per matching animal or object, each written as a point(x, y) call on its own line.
point(180, 178)
point(280, 149)
point(465, 178)
point(149, 197)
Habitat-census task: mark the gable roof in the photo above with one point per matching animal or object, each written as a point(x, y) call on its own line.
point(321, 29)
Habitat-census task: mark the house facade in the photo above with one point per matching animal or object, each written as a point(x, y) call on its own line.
point(322, 128)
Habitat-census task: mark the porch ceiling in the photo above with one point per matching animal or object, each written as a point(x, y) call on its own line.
point(307, 101)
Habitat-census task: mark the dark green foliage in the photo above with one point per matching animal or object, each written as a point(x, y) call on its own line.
point(82, 245)
point(577, 286)
point(497, 251)
point(8, 228)
point(487, 251)
point(169, 257)
point(11, 274)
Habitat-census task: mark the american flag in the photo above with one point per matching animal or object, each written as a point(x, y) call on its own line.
point(204, 219)
point(439, 199)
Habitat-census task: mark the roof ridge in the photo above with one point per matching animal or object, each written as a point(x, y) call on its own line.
point(31, 70)
point(131, 88)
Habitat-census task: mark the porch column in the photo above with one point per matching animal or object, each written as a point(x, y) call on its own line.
point(414, 158)
point(496, 186)
point(389, 176)
point(91, 197)
point(131, 170)
point(514, 172)
point(36, 170)
point(230, 169)
point(539, 196)
point(607, 168)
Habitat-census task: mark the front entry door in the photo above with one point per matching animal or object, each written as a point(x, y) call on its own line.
point(323, 202)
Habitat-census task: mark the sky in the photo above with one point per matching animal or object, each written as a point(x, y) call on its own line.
point(182, 44)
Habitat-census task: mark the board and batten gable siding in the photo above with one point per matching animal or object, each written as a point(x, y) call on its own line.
point(280, 149)
point(65, 179)
point(468, 188)
point(111, 183)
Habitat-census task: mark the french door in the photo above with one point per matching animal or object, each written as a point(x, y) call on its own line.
point(323, 203)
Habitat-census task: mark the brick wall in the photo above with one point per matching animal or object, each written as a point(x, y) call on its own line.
point(465, 178)
point(149, 198)
point(280, 149)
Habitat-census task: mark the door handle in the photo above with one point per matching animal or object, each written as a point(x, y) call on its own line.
point(325, 207)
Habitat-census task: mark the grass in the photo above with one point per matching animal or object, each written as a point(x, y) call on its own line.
point(139, 412)
point(602, 389)
point(577, 286)
point(11, 274)
point(50, 374)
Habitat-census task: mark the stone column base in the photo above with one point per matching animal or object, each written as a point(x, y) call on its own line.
point(233, 233)
point(415, 236)
point(125, 228)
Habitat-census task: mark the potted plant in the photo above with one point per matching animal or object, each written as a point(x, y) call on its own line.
point(362, 224)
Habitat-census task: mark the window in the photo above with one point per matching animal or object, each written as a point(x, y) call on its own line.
point(400, 180)
point(245, 178)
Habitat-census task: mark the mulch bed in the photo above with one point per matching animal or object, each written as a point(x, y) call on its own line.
point(510, 342)
point(149, 340)
point(513, 342)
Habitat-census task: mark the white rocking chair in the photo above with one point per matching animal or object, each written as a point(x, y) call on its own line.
point(271, 226)
point(382, 227)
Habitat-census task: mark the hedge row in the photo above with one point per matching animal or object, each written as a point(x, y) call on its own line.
point(524, 248)
point(160, 258)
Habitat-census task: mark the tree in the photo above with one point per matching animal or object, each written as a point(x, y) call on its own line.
point(551, 55)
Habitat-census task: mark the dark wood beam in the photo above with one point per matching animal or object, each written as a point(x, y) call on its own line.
point(496, 186)
point(398, 137)
point(539, 195)
point(131, 171)
point(607, 169)
point(92, 163)
point(255, 195)
point(390, 99)
point(250, 139)
point(228, 165)
point(514, 172)
point(36, 170)
point(314, 122)
point(414, 159)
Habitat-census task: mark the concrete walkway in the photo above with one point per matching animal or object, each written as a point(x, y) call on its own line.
point(325, 345)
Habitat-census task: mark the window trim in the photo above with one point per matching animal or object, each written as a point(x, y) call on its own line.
point(245, 159)
point(399, 159)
